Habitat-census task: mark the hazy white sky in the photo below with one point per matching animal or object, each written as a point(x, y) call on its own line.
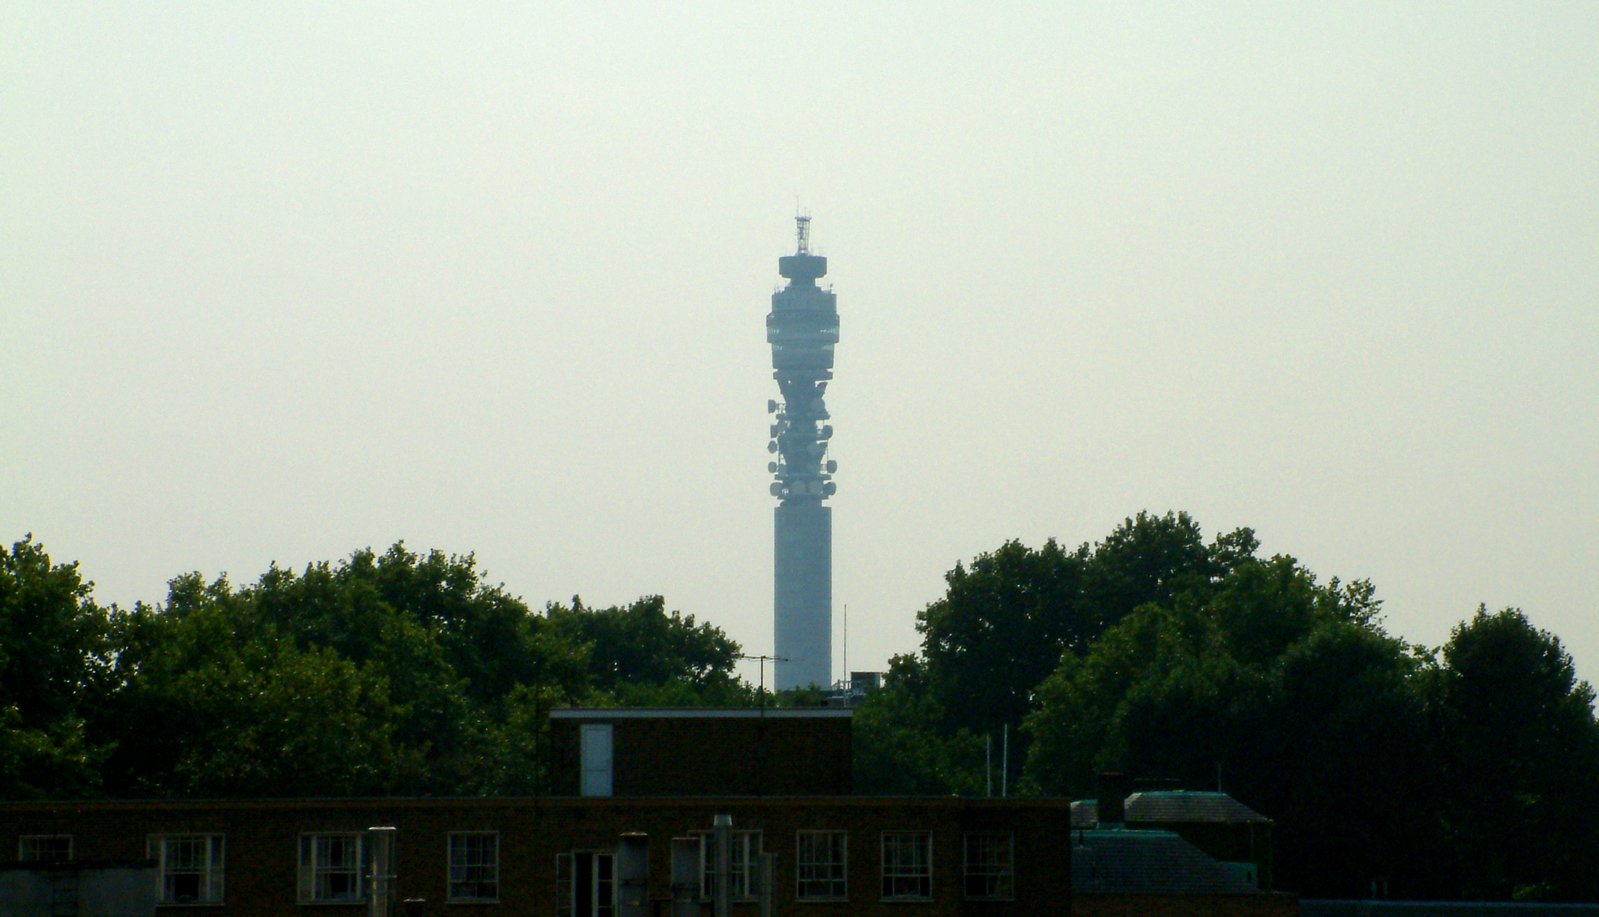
point(283, 280)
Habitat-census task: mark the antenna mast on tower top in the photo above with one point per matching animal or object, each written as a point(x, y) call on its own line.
point(803, 229)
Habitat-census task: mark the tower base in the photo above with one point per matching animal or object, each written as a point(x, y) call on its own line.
point(803, 595)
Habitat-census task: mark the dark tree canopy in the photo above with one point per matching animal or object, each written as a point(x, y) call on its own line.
point(1467, 771)
point(643, 646)
point(902, 746)
point(1000, 629)
point(1010, 616)
point(392, 673)
point(53, 661)
point(1520, 750)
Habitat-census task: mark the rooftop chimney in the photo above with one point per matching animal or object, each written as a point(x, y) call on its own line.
point(1112, 800)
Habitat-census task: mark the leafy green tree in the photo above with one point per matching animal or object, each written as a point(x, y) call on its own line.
point(1098, 711)
point(380, 674)
point(1164, 688)
point(53, 667)
point(489, 637)
point(1155, 559)
point(901, 747)
point(1281, 690)
point(1333, 745)
point(1008, 618)
point(393, 673)
point(641, 654)
point(515, 760)
point(808, 696)
point(312, 666)
point(1521, 758)
point(277, 720)
point(1000, 629)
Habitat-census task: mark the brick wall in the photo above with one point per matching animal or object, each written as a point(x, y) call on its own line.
point(724, 756)
point(263, 836)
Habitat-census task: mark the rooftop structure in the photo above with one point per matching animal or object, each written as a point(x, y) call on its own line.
point(654, 752)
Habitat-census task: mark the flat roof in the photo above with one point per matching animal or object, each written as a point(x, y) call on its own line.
point(378, 807)
point(699, 713)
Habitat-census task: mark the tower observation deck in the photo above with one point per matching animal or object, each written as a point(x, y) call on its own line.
point(802, 329)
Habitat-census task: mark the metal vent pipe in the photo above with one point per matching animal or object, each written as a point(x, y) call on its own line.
point(380, 898)
point(633, 874)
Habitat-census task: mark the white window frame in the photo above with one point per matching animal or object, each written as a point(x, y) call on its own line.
point(476, 873)
point(313, 869)
point(997, 870)
point(827, 870)
point(744, 856)
point(168, 850)
point(30, 846)
point(907, 857)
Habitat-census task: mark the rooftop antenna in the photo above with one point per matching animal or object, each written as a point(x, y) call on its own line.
point(764, 659)
point(803, 224)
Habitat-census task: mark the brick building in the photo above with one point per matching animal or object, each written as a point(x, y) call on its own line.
point(782, 776)
point(832, 855)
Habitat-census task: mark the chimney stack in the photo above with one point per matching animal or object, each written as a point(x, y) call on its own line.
point(1112, 799)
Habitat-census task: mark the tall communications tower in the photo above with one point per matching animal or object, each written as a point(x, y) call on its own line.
point(802, 329)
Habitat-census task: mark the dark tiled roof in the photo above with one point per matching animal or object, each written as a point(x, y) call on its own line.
point(1147, 862)
point(1184, 807)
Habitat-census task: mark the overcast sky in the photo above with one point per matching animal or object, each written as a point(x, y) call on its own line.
point(284, 280)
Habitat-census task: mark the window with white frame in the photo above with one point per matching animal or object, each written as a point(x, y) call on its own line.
point(907, 865)
point(744, 848)
point(330, 868)
point(989, 865)
point(474, 866)
point(44, 848)
point(189, 866)
point(819, 864)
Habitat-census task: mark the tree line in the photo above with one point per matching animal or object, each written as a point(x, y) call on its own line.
point(1469, 770)
point(392, 673)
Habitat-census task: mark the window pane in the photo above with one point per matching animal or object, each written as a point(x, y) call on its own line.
point(820, 863)
point(474, 866)
point(330, 867)
point(43, 848)
point(988, 865)
point(182, 887)
point(190, 866)
point(907, 864)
